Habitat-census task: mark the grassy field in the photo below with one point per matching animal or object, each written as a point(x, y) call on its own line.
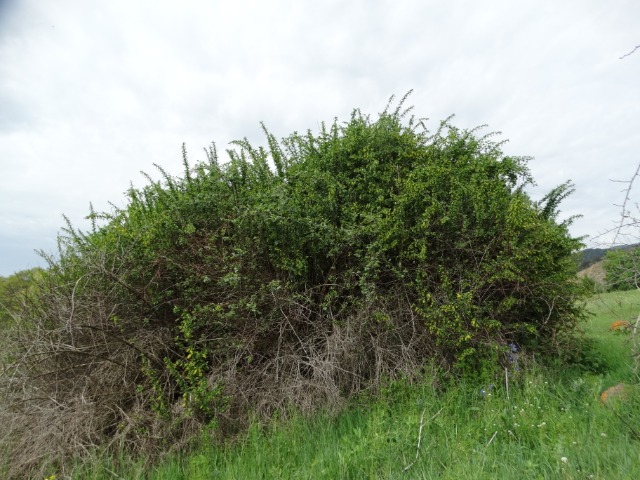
point(548, 423)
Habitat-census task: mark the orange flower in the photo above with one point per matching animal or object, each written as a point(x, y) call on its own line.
point(619, 325)
point(617, 392)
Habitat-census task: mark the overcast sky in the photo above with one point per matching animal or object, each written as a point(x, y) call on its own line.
point(93, 92)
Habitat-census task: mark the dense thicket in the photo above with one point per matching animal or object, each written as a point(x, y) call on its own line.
point(292, 275)
point(622, 267)
point(13, 290)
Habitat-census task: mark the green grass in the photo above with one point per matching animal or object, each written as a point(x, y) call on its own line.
point(550, 425)
point(614, 348)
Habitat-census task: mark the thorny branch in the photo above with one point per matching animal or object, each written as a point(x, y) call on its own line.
point(627, 220)
point(631, 52)
point(625, 214)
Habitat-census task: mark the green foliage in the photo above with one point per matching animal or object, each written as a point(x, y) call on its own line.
point(612, 347)
point(622, 267)
point(551, 425)
point(13, 292)
point(367, 250)
point(591, 286)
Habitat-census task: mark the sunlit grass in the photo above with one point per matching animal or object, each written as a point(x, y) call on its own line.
point(615, 347)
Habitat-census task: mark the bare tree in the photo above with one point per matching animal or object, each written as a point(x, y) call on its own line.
point(628, 232)
point(631, 52)
point(629, 220)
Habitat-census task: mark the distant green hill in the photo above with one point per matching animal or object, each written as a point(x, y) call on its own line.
point(587, 257)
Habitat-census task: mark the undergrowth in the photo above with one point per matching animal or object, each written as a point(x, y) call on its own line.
point(550, 424)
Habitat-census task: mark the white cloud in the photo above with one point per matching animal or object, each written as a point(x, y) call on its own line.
point(93, 92)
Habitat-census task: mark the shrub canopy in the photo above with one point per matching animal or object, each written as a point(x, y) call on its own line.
point(622, 268)
point(296, 273)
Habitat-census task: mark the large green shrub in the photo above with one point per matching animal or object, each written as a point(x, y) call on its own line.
point(622, 267)
point(294, 274)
